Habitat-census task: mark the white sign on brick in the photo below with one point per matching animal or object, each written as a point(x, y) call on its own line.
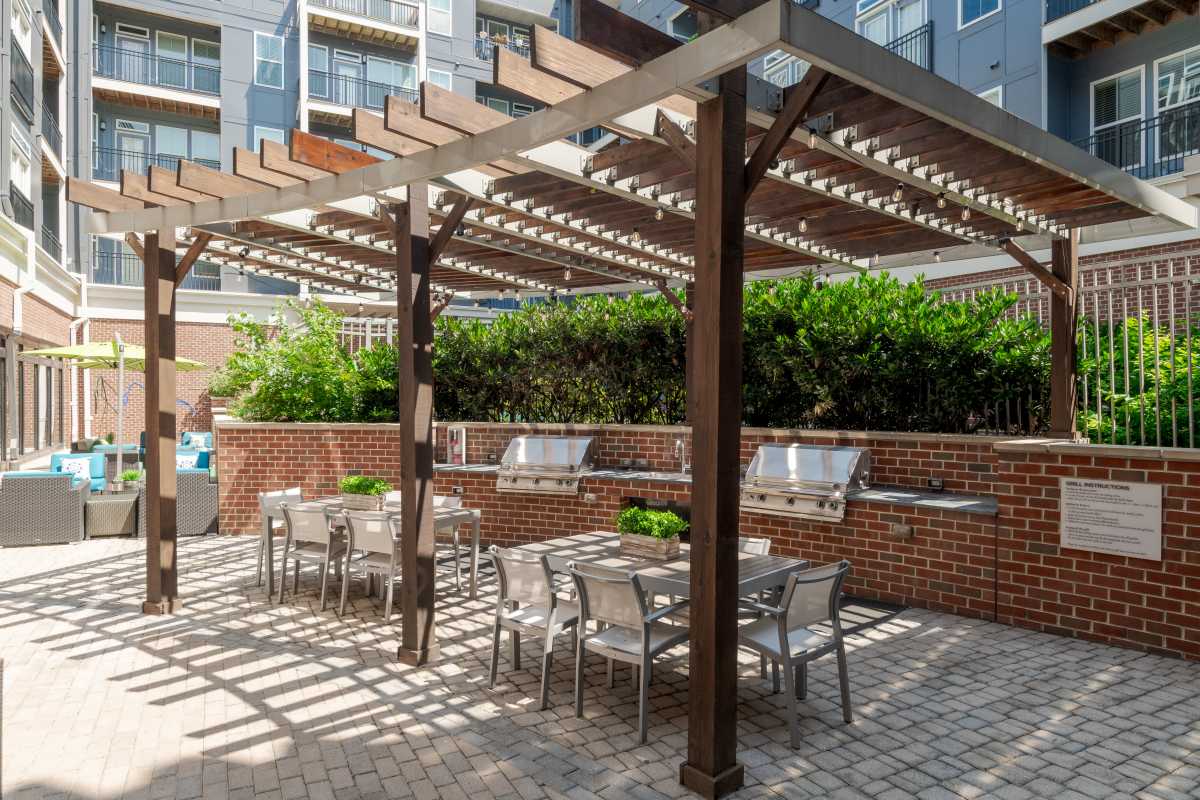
point(1115, 517)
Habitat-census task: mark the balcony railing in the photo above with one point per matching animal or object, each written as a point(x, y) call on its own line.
point(22, 82)
point(1149, 148)
point(50, 10)
point(916, 46)
point(51, 132)
point(107, 162)
point(51, 244)
point(1060, 8)
point(118, 268)
point(22, 207)
point(149, 70)
point(344, 90)
point(392, 12)
point(484, 46)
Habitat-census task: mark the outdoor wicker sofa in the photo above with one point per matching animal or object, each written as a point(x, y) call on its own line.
point(41, 508)
point(196, 507)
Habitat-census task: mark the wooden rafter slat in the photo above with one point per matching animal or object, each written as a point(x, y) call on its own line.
point(248, 164)
point(200, 178)
point(274, 156)
point(369, 129)
point(137, 186)
point(99, 198)
point(315, 151)
point(165, 181)
point(639, 43)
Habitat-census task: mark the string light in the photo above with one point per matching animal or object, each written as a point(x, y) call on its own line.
point(812, 139)
point(636, 236)
point(803, 225)
point(658, 214)
point(937, 257)
point(898, 193)
point(966, 214)
point(567, 274)
point(941, 200)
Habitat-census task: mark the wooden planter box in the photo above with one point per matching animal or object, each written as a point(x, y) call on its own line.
point(636, 546)
point(362, 502)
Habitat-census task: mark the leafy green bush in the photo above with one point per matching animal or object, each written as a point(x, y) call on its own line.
point(647, 522)
point(362, 484)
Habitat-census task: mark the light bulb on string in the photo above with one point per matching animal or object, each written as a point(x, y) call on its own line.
point(941, 200)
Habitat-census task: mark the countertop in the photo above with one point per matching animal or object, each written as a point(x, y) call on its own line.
point(896, 495)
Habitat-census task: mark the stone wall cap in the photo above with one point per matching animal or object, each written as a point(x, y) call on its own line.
point(1059, 447)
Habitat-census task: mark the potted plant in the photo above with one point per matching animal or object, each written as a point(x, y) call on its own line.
point(650, 534)
point(128, 476)
point(363, 493)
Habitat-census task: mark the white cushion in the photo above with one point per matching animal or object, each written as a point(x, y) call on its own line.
point(79, 467)
point(186, 460)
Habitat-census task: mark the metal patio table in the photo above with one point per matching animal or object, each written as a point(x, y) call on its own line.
point(756, 573)
point(443, 519)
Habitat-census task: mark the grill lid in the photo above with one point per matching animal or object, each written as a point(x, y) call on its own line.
point(801, 466)
point(548, 454)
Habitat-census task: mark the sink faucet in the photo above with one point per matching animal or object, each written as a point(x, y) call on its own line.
point(681, 453)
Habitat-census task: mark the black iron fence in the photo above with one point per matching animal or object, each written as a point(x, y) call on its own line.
point(485, 45)
point(151, 70)
point(1060, 8)
point(1149, 148)
point(107, 162)
point(391, 11)
point(22, 207)
point(22, 83)
point(51, 132)
point(119, 268)
point(50, 10)
point(916, 46)
point(344, 90)
point(51, 243)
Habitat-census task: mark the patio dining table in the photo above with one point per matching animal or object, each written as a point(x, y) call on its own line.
point(756, 573)
point(444, 518)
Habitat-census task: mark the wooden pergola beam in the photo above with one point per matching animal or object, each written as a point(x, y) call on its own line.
point(135, 244)
point(137, 186)
point(166, 182)
point(620, 36)
point(275, 156)
point(314, 151)
point(1064, 320)
point(99, 198)
point(1048, 278)
point(248, 164)
point(200, 178)
point(450, 224)
point(194, 251)
point(674, 136)
point(799, 100)
point(673, 299)
point(369, 129)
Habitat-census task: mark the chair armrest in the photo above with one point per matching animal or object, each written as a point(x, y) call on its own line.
point(762, 608)
point(667, 611)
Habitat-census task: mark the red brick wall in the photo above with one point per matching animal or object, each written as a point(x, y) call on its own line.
point(207, 343)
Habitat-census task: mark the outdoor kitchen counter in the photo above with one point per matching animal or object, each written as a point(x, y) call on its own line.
point(894, 495)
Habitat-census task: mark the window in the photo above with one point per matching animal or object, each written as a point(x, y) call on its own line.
point(783, 69)
point(885, 22)
point(22, 26)
point(494, 103)
point(440, 78)
point(21, 163)
point(1177, 98)
point(995, 96)
point(206, 145)
point(1178, 79)
point(270, 134)
point(1117, 119)
point(974, 10)
point(171, 142)
point(206, 66)
point(318, 71)
point(684, 26)
point(268, 60)
point(521, 109)
point(438, 18)
point(172, 59)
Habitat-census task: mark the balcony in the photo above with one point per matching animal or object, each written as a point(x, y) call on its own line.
point(50, 11)
point(107, 162)
point(1074, 28)
point(175, 85)
point(51, 132)
point(916, 46)
point(22, 83)
point(485, 45)
point(21, 206)
point(51, 244)
point(1151, 148)
point(342, 90)
point(125, 269)
point(377, 21)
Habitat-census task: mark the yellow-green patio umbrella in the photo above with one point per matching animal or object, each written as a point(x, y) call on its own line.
point(116, 355)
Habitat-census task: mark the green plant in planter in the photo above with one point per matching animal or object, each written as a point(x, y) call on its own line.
point(362, 484)
point(131, 476)
point(663, 525)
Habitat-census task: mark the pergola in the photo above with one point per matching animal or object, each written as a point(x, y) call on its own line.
point(716, 173)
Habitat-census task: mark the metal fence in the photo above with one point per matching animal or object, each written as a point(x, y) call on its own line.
point(1060, 8)
point(485, 46)
point(1149, 148)
point(916, 46)
point(360, 332)
point(21, 205)
point(51, 132)
point(389, 11)
point(1138, 371)
point(50, 10)
point(107, 162)
point(119, 268)
point(346, 90)
point(22, 82)
point(152, 70)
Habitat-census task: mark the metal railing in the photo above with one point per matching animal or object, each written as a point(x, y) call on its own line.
point(50, 11)
point(152, 70)
point(393, 12)
point(22, 82)
point(916, 46)
point(1060, 8)
point(484, 46)
point(118, 268)
point(22, 207)
point(344, 90)
point(51, 243)
point(1149, 148)
point(51, 132)
point(107, 162)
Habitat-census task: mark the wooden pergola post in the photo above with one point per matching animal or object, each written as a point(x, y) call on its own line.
point(712, 769)
point(414, 343)
point(1064, 264)
point(162, 584)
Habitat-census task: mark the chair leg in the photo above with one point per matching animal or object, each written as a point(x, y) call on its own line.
point(774, 677)
point(516, 649)
point(844, 680)
point(802, 680)
point(262, 555)
point(762, 666)
point(610, 673)
point(324, 568)
point(296, 579)
point(643, 697)
point(387, 604)
point(547, 661)
point(345, 587)
point(457, 563)
point(495, 654)
point(283, 578)
point(579, 679)
point(793, 709)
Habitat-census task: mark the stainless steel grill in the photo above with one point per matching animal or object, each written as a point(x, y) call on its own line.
point(806, 481)
point(545, 464)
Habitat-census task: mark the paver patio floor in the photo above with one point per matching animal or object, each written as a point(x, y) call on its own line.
point(237, 698)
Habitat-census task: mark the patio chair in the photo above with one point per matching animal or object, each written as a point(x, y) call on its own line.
point(195, 504)
point(41, 507)
point(528, 603)
point(785, 636)
point(376, 536)
point(441, 501)
point(272, 519)
point(310, 538)
point(628, 630)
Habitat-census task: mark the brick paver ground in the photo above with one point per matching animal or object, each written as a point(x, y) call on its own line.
point(236, 697)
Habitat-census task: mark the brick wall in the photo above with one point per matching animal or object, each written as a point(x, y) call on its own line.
point(207, 343)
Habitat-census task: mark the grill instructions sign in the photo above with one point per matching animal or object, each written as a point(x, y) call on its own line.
point(1114, 517)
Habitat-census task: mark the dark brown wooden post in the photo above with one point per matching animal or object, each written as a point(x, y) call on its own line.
point(162, 584)
point(1064, 263)
point(689, 350)
point(712, 769)
point(414, 341)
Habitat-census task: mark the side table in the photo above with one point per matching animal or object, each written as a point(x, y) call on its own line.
point(111, 515)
